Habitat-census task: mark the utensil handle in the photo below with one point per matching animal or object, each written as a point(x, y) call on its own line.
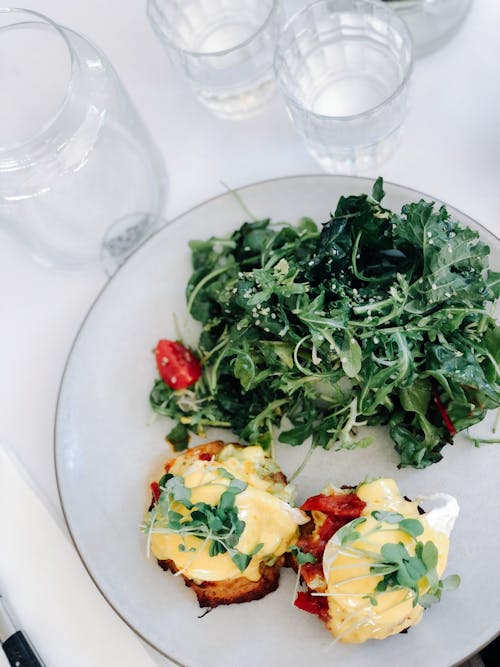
point(19, 653)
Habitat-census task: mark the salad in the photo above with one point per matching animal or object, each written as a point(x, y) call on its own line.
point(374, 317)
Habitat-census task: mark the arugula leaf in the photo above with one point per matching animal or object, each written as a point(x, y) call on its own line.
point(376, 318)
point(378, 190)
point(178, 437)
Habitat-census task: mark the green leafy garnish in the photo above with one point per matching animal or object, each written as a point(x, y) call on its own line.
point(178, 437)
point(348, 533)
point(398, 568)
point(217, 525)
point(375, 318)
point(388, 517)
point(401, 570)
point(302, 557)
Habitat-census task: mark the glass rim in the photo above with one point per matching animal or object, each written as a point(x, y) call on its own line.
point(221, 52)
point(360, 114)
point(54, 118)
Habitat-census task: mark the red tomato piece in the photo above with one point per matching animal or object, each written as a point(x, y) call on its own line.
point(314, 604)
point(311, 572)
point(205, 457)
point(342, 504)
point(331, 525)
point(444, 414)
point(177, 366)
point(156, 491)
point(315, 544)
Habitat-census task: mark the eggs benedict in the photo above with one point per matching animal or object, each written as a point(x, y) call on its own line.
point(221, 516)
point(372, 560)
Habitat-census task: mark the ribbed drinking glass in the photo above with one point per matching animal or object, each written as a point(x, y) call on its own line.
point(344, 69)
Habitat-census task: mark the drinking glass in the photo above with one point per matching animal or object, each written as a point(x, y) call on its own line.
point(344, 69)
point(224, 47)
point(80, 178)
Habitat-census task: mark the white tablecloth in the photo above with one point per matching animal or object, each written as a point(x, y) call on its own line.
point(450, 148)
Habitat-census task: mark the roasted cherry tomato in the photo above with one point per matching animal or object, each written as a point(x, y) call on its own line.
point(314, 604)
point(177, 366)
point(342, 504)
point(312, 573)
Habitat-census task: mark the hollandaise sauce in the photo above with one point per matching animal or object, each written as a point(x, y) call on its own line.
point(256, 520)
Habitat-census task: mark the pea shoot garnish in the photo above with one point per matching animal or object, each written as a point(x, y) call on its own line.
point(218, 526)
point(411, 567)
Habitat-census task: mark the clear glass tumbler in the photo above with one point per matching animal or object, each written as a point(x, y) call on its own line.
point(224, 47)
point(80, 178)
point(344, 68)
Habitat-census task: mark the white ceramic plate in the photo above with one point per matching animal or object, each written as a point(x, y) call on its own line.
point(107, 453)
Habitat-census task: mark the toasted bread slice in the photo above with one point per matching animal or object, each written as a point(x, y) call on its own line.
point(230, 591)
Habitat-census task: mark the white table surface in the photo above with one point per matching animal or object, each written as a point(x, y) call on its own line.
point(450, 148)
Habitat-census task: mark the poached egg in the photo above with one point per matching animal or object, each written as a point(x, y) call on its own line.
point(357, 611)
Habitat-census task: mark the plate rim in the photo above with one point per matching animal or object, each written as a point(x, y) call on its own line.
point(230, 191)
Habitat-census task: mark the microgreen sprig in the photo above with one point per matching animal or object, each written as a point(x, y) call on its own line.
point(216, 525)
point(398, 568)
point(302, 557)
